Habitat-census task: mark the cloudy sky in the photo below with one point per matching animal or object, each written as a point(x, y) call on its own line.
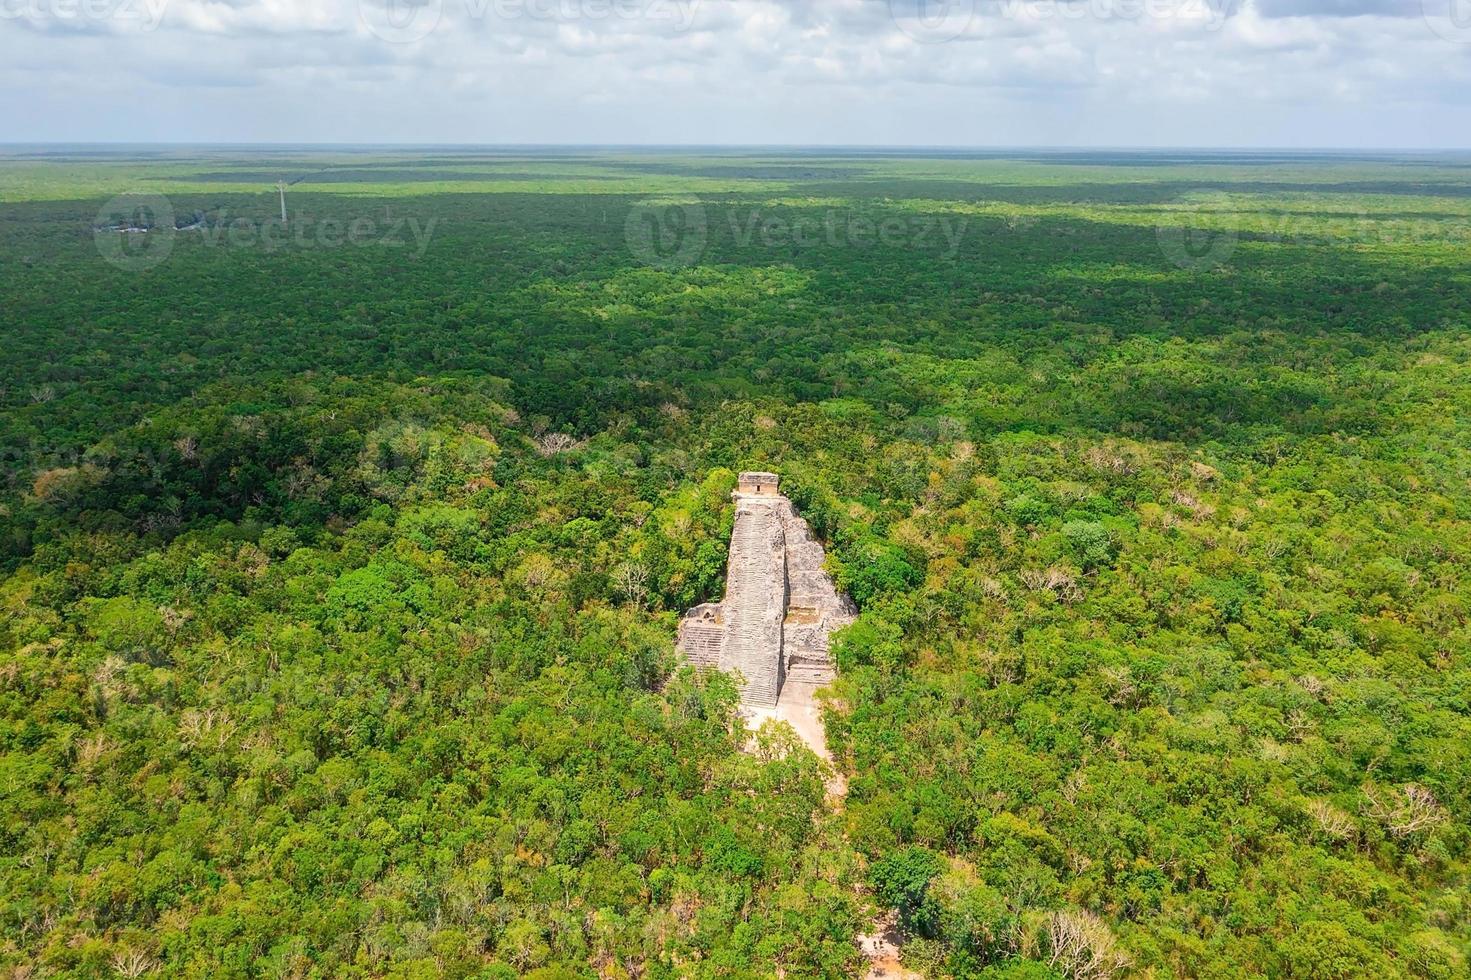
point(1280, 73)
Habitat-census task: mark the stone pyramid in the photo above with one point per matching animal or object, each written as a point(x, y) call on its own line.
point(780, 606)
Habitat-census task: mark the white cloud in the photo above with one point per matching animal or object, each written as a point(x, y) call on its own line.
point(1275, 72)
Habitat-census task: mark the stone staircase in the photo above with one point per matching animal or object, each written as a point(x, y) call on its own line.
point(780, 606)
point(807, 658)
point(756, 600)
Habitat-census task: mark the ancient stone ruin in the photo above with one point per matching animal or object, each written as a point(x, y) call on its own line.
point(780, 607)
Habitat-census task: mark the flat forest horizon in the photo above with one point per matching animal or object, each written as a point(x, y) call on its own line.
point(350, 499)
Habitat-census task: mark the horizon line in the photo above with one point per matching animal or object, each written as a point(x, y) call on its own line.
point(948, 147)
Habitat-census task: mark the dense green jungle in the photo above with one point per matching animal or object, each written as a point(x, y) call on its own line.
point(341, 559)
